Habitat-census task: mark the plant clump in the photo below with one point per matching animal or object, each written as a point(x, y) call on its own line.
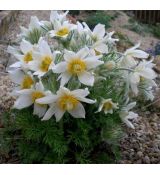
point(73, 94)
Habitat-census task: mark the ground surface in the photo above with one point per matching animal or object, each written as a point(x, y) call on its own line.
point(141, 145)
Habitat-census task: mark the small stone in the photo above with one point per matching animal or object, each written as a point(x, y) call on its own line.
point(146, 159)
point(139, 154)
point(139, 161)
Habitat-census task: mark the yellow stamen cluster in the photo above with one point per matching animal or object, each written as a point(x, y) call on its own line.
point(108, 106)
point(67, 102)
point(62, 32)
point(97, 52)
point(27, 82)
point(142, 79)
point(76, 66)
point(46, 61)
point(28, 57)
point(36, 94)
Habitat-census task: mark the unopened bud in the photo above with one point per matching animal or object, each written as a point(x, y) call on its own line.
point(109, 65)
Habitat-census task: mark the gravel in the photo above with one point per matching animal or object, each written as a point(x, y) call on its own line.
point(142, 145)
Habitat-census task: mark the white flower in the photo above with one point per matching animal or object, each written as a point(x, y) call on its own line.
point(109, 65)
point(66, 100)
point(108, 38)
point(27, 97)
point(34, 24)
point(97, 33)
point(80, 28)
point(107, 106)
point(62, 29)
point(97, 36)
point(43, 60)
point(128, 59)
point(136, 53)
point(126, 115)
point(24, 80)
point(56, 15)
point(146, 88)
point(142, 71)
point(77, 64)
point(25, 57)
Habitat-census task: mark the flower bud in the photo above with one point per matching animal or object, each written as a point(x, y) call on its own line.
point(110, 65)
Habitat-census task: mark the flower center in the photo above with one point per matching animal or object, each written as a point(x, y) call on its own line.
point(62, 32)
point(27, 82)
point(76, 66)
point(108, 106)
point(142, 79)
point(95, 38)
point(36, 94)
point(46, 61)
point(67, 102)
point(97, 52)
point(28, 57)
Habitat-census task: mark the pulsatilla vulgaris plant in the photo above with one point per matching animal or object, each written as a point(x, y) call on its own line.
point(74, 90)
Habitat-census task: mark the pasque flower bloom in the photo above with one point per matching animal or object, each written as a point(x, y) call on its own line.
point(126, 114)
point(107, 106)
point(43, 59)
point(61, 29)
point(77, 64)
point(24, 55)
point(142, 71)
point(27, 97)
point(66, 100)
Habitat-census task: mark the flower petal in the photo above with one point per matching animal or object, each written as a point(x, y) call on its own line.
point(134, 78)
point(82, 53)
point(16, 76)
point(44, 48)
point(99, 30)
point(78, 112)
point(60, 67)
point(34, 65)
point(128, 123)
point(34, 23)
point(47, 99)
point(22, 102)
point(132, 48)
point(19, 57)
point(25, 91)
point(86, 100)
point(93, 62)
point(134, 88)
point(16, 65)
point(39, 110)
point(80, 92)
point(12, 50)
point(39, 86)
point(68, 55)
point(130, 106)
point(148, 73)
point(132, 115)
point(64, 78)
point(139, 54)
point(58, 114)
point(26, 46)
point(39, 73)
point(102, 48)
point(49, 113)
point(86, 78)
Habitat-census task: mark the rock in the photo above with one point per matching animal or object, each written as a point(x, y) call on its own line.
point(139, 154)
point(139, 161)
point(146, 159)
